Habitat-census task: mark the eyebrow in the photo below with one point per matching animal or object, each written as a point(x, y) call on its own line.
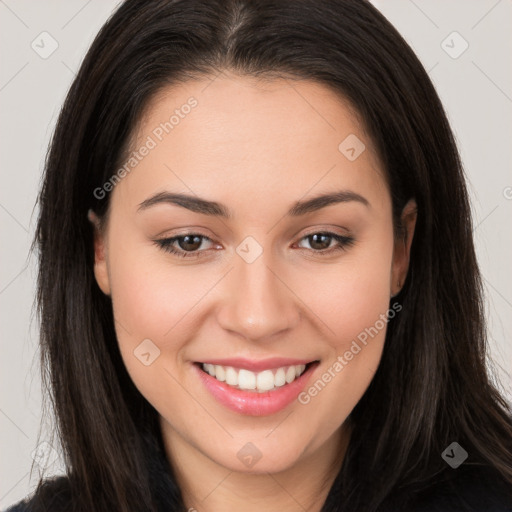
point(205, 207)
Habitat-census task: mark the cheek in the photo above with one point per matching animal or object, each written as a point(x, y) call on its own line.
point(353, 302)
point(152, 310)
point(152, 300)
point(352, 294)
point(151, 295)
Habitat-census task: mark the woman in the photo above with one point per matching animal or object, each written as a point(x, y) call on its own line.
point(258, 286)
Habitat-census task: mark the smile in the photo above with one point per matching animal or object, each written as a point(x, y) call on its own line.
point(255, 388)
point(267, 380)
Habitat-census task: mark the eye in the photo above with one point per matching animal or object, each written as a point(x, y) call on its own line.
point(320, 242)
point(188, 245)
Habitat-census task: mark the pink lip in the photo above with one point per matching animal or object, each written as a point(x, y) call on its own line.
point(258, 366)
point(254, 403)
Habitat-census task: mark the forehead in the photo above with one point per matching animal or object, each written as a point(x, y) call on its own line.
point(228, 133)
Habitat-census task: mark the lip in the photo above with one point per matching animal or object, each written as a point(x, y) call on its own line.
point(254, 403)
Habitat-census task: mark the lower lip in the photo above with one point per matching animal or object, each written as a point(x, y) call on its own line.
point(253, 403)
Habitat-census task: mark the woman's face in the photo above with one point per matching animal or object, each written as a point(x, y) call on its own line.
point(273, 280)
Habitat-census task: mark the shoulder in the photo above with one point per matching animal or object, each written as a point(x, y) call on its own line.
point(52, 495)
point(469, 488)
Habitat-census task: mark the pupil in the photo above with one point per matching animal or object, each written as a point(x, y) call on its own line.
point(315, 241)
point(186, 244)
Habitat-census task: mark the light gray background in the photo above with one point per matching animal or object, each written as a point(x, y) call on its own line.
point(475, 87)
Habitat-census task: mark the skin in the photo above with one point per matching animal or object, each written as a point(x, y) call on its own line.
point(257, 148)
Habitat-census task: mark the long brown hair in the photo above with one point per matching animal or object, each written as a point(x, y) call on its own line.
point(431, 387)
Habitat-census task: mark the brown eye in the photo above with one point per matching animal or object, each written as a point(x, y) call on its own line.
point(321, 242)
point(185, 246)
point(189, 242)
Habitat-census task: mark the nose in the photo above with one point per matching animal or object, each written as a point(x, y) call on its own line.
point(258, 304)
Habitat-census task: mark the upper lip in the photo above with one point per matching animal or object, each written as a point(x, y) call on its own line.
point(263, 364)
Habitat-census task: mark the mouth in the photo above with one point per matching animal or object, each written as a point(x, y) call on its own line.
point(270, 388)
point(257, 382)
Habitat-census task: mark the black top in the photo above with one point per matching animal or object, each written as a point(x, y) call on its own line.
point(472, 489)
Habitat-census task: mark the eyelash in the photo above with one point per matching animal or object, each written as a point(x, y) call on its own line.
point(167, 244)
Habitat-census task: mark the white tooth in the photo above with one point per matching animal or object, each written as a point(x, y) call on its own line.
point(231, 376)
point(220, 373)
point(279, 378)
point(265, 380)
point(290, 374)
point(246, 379)
point(209, 368)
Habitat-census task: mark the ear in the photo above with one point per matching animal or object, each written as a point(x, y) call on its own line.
point(100, 254)
point(402, 247)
